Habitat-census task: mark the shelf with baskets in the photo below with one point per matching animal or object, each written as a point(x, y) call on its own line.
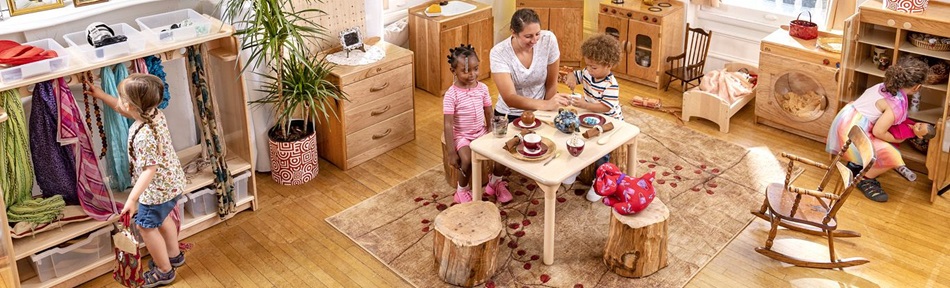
point(878, 33)
point(224, 78)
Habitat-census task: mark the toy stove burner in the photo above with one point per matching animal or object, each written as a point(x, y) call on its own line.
point(655, 9)
point(664, 4)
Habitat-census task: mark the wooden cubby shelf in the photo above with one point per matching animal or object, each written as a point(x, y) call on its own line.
point(224, 77)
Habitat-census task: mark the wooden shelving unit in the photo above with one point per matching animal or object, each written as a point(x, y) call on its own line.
point(875, 26)
point(225, 78)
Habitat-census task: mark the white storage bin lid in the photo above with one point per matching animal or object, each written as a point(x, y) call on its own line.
point(158, 27)
point(28, 70)
point(134, 43)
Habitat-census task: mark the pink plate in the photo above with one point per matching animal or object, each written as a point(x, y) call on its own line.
point(526, 153)
point(600, 120)
point(517, 123)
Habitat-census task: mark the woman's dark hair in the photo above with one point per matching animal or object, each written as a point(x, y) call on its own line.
point(523, 17)
point(908, 72)
point(461, 53)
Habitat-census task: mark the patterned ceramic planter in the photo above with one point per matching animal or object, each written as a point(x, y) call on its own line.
point(294, 163)
point(906, 6)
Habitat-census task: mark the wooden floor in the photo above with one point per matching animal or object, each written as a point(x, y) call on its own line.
point(287, 243)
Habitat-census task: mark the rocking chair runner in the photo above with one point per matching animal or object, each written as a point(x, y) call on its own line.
point(688, 66)
point(786, 205)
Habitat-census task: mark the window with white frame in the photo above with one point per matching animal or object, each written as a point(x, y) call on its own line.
point(818, 8)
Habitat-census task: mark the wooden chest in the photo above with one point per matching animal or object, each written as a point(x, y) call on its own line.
point(379, 115)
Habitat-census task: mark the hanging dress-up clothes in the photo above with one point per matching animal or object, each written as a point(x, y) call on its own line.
point(223, 182)
point(94, 197)
point(117, 130)
point(16, 170)
point(55, 162)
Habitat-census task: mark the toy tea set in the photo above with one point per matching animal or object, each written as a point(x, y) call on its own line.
point(529, 146)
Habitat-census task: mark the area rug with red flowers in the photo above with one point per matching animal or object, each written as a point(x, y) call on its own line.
point(708, 184)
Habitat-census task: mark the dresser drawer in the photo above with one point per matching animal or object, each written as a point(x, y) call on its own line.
point(379, 138)
point(378, 111)
point(376, 87)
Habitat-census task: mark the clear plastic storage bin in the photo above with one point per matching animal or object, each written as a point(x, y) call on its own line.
point(157, 28)
point(201, 203)
point(181, 204)
point(240, 186)
point(134, 43)
point(58, 262)
point(24, 71)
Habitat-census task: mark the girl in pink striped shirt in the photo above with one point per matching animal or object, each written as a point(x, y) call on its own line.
point(467, 108)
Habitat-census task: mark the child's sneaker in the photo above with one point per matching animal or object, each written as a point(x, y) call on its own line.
point(501, 188)
point(463, 196)
point(176, 261)
point(155, 278)
point(907, 173)
point(592, 196)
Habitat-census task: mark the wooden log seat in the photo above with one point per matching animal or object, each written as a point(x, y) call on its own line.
point(452, 174)
point(466, 242)
point(636, 244)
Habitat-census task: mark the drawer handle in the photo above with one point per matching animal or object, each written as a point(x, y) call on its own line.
point(378, 136)
point(380, 112)
point(377, 89)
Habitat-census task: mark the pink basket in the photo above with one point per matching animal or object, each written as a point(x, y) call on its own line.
point(906, 6)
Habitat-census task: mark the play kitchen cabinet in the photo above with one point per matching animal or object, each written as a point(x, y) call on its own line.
point(565, 18)
point(379, 114)
point(797, 91)
point(647, 34)
point(430, 38)
point(874, 28)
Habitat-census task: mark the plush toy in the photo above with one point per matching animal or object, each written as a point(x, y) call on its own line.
point(628, 195)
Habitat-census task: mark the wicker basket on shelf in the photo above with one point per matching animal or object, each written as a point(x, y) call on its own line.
point(938, 73)
point(922, 41)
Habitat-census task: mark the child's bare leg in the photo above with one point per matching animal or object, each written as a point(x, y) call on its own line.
point(170, 233)
point(155, 244)
point(465, 157)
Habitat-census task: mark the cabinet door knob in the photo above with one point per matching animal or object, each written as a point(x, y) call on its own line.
point(825, 61)
point(376, 89)
point(654, 19)
point(891, 22)
point(605, 9)
point(907, 25)
point(645, 18)
point(381, 111)
point(613, 11)
point(378, 136)
point(629, 14)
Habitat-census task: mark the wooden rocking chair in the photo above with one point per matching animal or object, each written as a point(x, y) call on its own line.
point(688, 66)
point(788, 206)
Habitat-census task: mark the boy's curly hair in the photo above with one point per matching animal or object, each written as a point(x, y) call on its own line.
point(908, 72)
point(602, 49)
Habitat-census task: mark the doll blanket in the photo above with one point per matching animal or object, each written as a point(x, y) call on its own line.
point(729, 86)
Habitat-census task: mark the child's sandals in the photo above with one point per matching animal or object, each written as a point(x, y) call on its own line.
point(873, 190)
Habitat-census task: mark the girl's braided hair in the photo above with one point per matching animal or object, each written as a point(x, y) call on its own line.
point(144, 92)
point(908, 72)
point(461, 53)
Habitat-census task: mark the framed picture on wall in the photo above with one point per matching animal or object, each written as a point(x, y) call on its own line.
point(78, 3)
point(19, 7)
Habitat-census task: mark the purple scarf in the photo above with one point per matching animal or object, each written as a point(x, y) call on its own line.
point(50, 159)
point(93, 194)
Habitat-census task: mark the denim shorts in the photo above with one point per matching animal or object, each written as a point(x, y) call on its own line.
point(152, 216)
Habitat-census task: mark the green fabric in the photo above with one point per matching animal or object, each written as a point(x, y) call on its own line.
point(16, 170)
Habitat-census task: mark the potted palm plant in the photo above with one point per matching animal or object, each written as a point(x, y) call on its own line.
point(281, 40)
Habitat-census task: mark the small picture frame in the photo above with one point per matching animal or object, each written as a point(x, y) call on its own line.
point(79, 3)
point(20, 7)
point(351, 39)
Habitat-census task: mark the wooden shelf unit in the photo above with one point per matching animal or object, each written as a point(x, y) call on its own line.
point(874, 26)
point(233, 119)
point(430, 38)
point(646, 37)
point(565, 18)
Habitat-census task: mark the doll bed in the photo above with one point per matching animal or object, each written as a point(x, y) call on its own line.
point(711, 107)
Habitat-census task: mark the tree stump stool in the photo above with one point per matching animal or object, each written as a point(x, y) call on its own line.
point(452, 174)
point(466, 242)
point(636, 244)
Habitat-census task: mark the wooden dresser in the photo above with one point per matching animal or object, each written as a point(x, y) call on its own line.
point(566, 19)
point(432, 37)
point(379, 114)
point(647, 34)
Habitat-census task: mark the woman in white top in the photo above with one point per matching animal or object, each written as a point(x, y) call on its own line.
point(525, 68)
